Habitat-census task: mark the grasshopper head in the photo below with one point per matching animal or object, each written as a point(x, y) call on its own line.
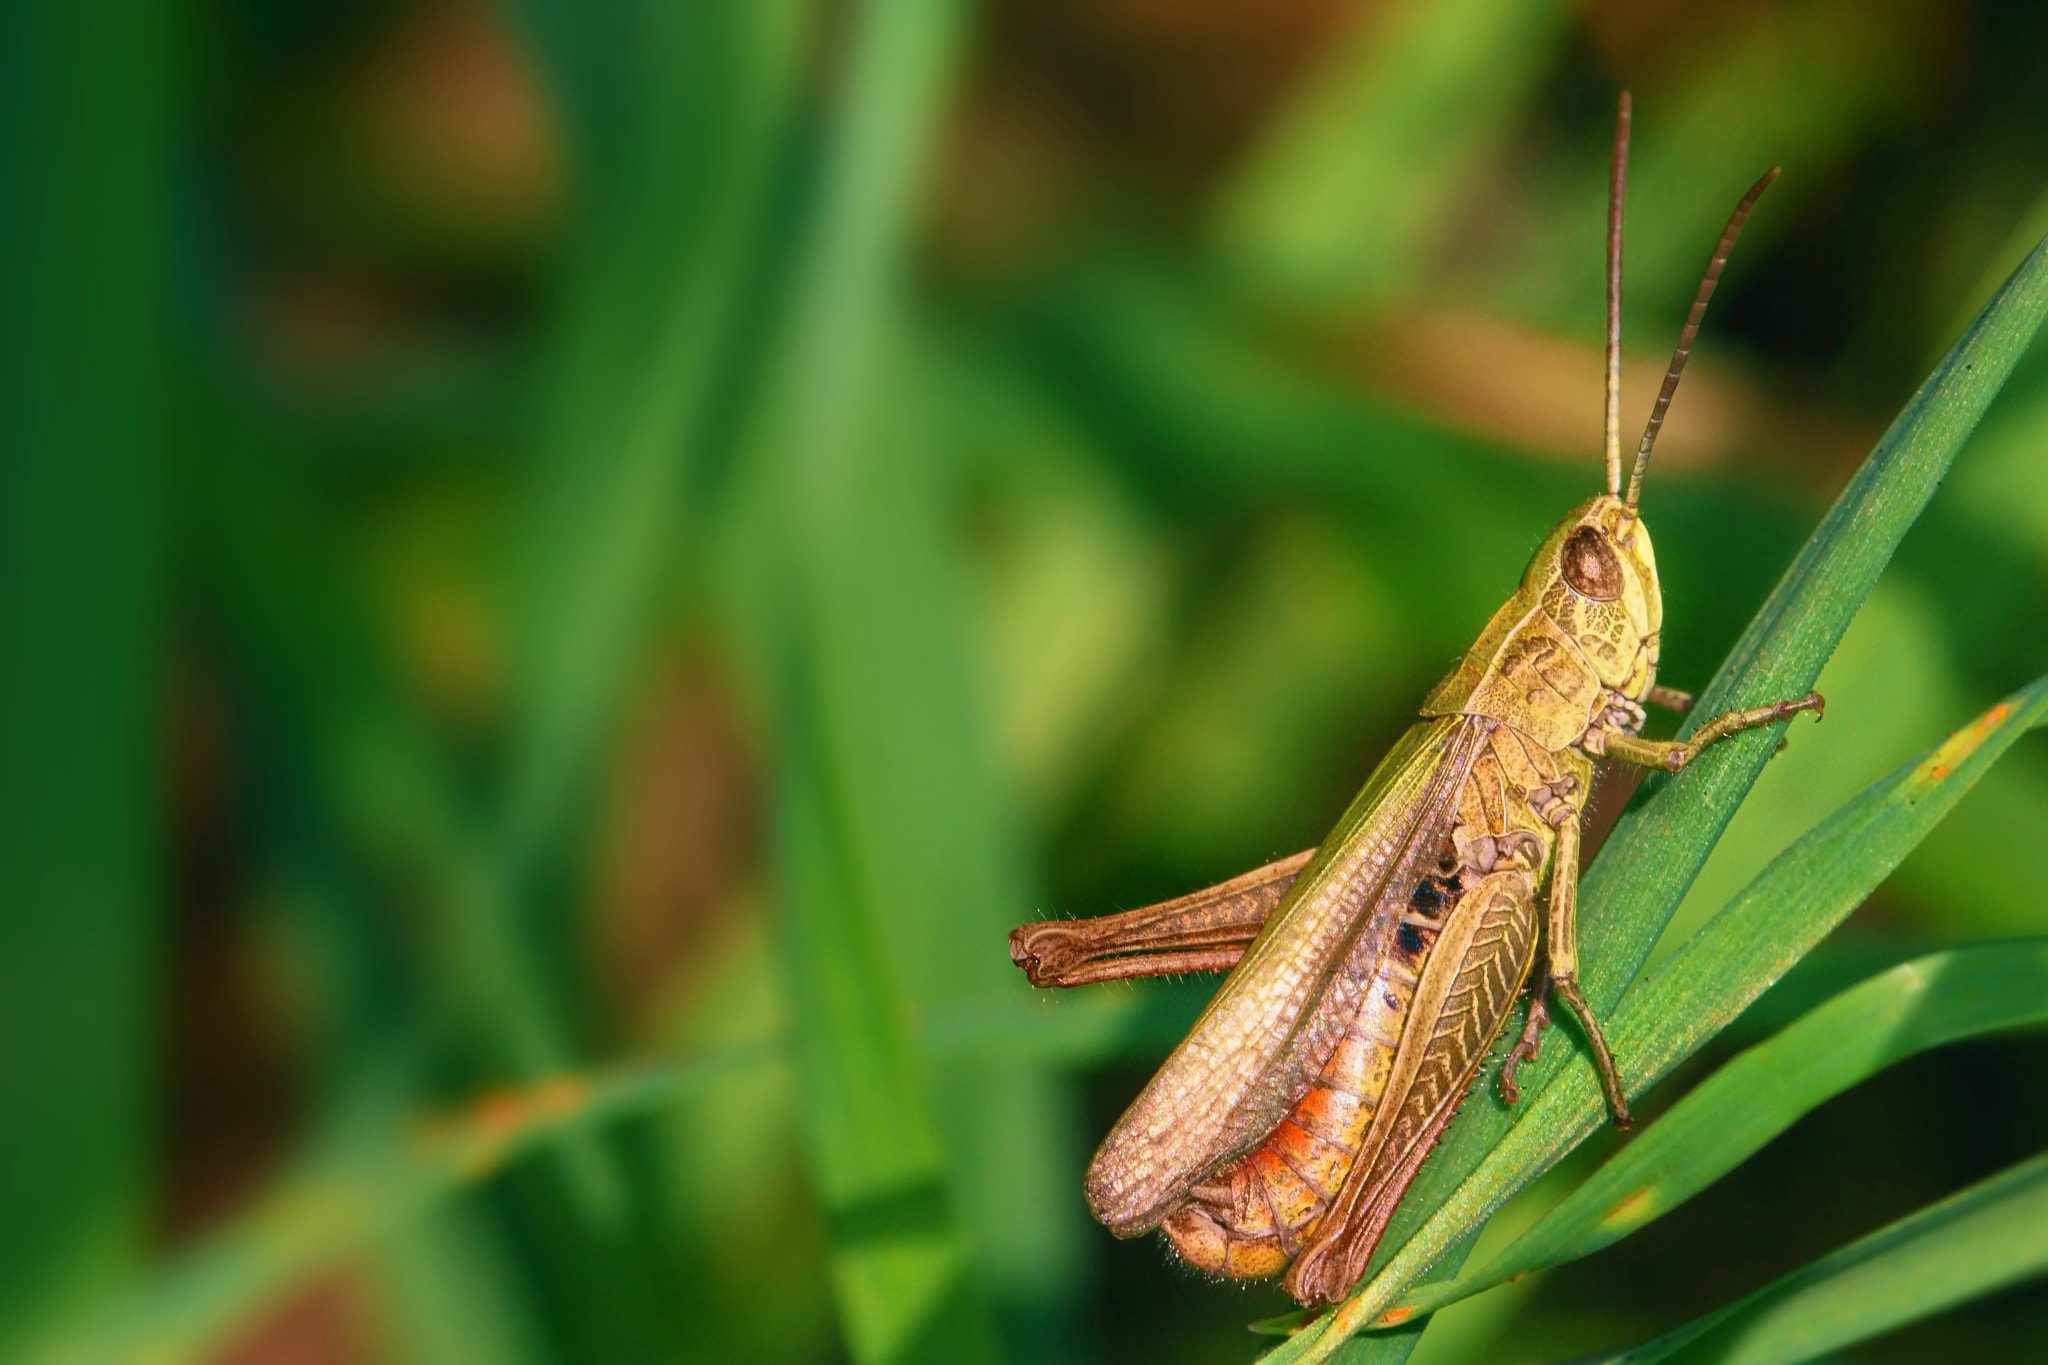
point(1596, 576)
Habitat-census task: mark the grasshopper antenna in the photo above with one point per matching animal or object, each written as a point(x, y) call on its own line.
point(1617, 195)
point(1692, 329)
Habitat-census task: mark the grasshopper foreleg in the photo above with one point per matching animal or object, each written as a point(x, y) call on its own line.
point(1669, 699)
point(1672, 756)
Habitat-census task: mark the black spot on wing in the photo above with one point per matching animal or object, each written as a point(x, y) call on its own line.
point(1433, 897)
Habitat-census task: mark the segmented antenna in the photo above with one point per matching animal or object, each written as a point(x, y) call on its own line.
point(1692, 329)
point(1617, 195)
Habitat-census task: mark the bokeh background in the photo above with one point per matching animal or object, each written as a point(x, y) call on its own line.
point(567, 571)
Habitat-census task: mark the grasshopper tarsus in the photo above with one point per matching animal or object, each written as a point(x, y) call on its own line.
point(1527, 1046)
point(1673, 756)
point(1023, 955)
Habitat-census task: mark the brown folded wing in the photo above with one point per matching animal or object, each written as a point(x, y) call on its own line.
point(1273, 1023)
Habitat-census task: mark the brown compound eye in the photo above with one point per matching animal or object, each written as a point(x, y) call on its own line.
point(1590, 565)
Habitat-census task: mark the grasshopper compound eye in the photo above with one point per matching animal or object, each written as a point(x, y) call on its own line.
point(1590, 565)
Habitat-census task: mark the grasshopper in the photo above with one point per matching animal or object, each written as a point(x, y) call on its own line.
point(1370, 976)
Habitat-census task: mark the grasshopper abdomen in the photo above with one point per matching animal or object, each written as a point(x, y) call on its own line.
point(1432, 1006)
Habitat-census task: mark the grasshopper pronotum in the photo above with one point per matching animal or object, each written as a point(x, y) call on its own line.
point(1369, 976)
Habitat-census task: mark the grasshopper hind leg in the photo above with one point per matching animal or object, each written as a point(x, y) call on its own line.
point(1207, 931)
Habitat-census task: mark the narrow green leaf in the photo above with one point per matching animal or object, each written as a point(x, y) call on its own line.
point(899, 1263)
point(653, 300)
point(843, 589)
point(1987, 1237)
point(86, 151)
point(1915, 1006)
point(1658, 848)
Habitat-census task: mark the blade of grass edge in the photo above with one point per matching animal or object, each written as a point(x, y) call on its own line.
point(1991, 1235)
point(900, 1268)
point(654, 298)
point(1916, 1005)
point(88, 166)
point(1658, 848)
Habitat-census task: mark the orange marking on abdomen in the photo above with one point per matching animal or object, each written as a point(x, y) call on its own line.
point(1319, 1162)
point(1247, 1220)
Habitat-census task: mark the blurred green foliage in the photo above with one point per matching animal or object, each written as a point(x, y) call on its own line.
point(568, 570)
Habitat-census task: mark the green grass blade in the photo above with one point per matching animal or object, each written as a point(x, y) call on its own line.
point(843, 588)
point(654, 299)
point(1987, 1237)
point(1915, 1006)
point(899, 1262)
point(1658, 848)
point(86, 150)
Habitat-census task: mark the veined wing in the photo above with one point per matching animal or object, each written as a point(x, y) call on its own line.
point(1477, 967)
point(1271, 1026)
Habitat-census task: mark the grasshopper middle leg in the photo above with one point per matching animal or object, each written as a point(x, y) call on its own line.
point(1561, 975)
point(1561, 955)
